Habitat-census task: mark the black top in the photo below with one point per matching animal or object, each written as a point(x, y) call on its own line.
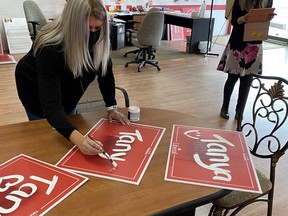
point(47, 88)
point(236, 38)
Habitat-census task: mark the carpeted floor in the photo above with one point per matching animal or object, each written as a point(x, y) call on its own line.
point(167, 52)
point(163, 52)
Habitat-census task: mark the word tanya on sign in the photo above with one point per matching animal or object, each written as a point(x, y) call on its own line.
point(217, 151)
point(124, 143)
point(24, 191)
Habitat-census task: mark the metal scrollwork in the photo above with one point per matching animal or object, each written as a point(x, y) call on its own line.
point(269, 109)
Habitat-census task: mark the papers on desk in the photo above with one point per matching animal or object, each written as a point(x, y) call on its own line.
point(118, 20)
point(211, 157)
point(122, 13)
point(33, 187)
point(131, 147)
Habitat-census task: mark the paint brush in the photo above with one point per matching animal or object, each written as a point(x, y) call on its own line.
point(105, 153)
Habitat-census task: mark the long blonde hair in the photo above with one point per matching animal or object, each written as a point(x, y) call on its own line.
point(248, 4)
point(72, 29)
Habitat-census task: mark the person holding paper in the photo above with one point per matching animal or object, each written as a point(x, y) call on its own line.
point(65, 58)
point(240, 58)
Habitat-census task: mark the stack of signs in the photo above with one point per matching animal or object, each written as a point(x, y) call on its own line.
point(32, 187)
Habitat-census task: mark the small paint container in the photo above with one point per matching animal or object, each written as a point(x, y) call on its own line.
point(134, 113)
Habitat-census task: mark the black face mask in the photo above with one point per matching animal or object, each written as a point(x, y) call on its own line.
point(94, 37)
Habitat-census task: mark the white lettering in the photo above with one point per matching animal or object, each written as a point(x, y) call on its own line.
point(217, 152)
point(219, 140)
point(215, 168)
point(137, 134)
point(124, 144)
point(23, 193)
point(50, 183)
point(17, 196)
point(17, 200)
point(187, 133)
point(18, 179)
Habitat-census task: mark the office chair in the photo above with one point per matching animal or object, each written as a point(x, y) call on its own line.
point(131, 33)
point(148, 39)
point(264, 125)
point(34, 17)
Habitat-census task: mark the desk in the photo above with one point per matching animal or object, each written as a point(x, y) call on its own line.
point(117, 36)
point(199, 27)
point(107, 197)
point(128, 17)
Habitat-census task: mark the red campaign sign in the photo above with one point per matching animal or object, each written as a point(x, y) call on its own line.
point(1, 46)
point(211, 157)
point(130, 146)
point(32, 187)
point(177, 33)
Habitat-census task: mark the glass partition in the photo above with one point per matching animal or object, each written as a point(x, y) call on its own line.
point(278, 29)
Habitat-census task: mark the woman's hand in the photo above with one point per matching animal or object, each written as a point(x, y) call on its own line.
point(85, 144)
point(242, 19)
point(271, 16)
point(114, 114)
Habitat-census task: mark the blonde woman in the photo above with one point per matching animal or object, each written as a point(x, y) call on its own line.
point(240, 58)
point(65, 58)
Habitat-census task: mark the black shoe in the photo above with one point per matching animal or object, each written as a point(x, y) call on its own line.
point(224, 112)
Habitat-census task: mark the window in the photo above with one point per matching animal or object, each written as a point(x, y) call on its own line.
point(278, 29)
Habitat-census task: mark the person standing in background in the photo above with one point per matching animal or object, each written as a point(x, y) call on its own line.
point(65, 58)
point(240, 58)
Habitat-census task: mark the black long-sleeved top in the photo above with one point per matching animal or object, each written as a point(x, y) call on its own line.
point(236, 37)
point(47, 88)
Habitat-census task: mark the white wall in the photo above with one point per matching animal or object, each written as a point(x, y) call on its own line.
point(51, 8)
point(187, 2)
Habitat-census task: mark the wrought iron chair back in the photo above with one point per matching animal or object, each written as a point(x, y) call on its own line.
point(263, 121)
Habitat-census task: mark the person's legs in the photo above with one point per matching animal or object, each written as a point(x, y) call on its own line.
point(241, 94)
point(31, 116)
point(228, 89)
point(73, 112)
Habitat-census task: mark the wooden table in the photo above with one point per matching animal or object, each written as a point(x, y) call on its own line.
point(107, 197)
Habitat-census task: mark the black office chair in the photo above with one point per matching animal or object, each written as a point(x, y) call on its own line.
point(130, 31)
point(34, 17)
point(264, 125)
point(148, 39)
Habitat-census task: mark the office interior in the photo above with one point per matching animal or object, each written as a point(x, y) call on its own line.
point(187, 84)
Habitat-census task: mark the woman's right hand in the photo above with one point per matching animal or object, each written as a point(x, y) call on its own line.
point(86, 145)
point(242, 19)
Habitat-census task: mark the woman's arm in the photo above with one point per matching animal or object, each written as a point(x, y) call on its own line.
point(107, 88)
point(48, 62)
point(85, 144)
point(107, 85)
point(238, 16)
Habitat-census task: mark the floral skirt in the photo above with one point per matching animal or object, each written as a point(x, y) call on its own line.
point(242, 63)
